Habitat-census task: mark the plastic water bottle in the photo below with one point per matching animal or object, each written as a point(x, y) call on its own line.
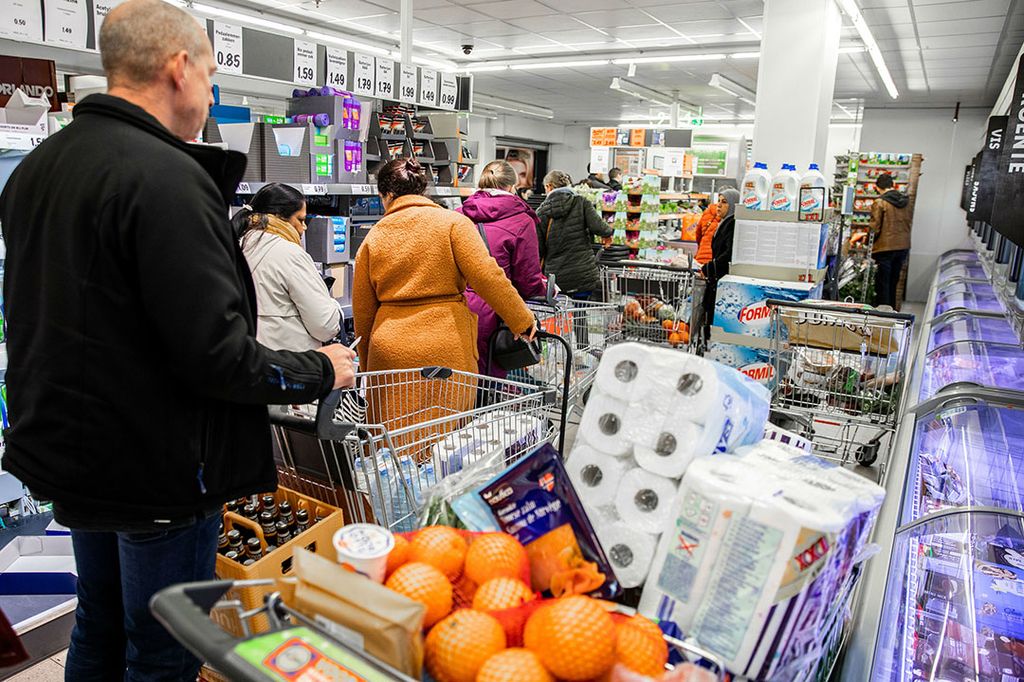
point(756, 184)
point(812, 204)
point(785, 189)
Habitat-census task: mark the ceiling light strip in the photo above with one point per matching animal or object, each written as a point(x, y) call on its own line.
point(852, 11)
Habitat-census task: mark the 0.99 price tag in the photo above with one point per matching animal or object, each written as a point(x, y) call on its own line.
point(305, 63)
point(363, 75)
point(227, 48)
point(314, 189)
point(449, 91)
point(337, 68)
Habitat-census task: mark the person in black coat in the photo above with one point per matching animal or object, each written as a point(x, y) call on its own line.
point(138, 391)
point(721, 253)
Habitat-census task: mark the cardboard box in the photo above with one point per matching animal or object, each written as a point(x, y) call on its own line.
point(37, 78)
point(741, 307)
point(38, 564)
point(23, 122)
point(848, 329)
point(327, 239)
point(756, 363)
point(780, 244)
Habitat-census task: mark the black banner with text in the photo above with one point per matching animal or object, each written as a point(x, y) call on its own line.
point(984, 191)
point(968, 177)
point(1007, 215)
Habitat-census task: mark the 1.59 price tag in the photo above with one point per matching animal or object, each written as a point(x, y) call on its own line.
point(305, 63)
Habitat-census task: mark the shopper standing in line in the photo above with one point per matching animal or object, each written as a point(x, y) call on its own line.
point(706, 227)
point(594, 180)
point(138, 391)
point(568, 225)
point(890, 225)
point(509, 228)
point(721, 253)
point(295, 309)
point(613, 179)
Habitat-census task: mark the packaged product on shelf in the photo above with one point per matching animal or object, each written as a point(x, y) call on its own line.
point(741, 306)
point(755, 363)
point(785, 189)
point(756, 188)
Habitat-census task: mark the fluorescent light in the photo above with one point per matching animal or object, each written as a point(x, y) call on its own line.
point(732, 87)
point(669, 58)
point(557, 65)
point(247, 19)
point(490, 102)
point(857, 49)
point(852, 11)
point(476, 68)
point(745, 55)
point(749, 28)
point(354, 44)
point(640, 92)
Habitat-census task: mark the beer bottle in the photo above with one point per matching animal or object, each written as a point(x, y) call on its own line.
point(284, 533)
point(250, 512)
point(270, 505)
point(231, 506)
point(232, 554)
point(253, 549)
point(284, 510)
point(321, 514)
point(301, 521)
point(248, 562)
point(222, 543)
point(235, 541)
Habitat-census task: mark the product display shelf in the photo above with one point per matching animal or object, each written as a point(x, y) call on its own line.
point(250, 188)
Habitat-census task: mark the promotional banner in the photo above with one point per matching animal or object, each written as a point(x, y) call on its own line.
point(985, 177)
point(1008, 207)
point(972, 191)
point(968, 177)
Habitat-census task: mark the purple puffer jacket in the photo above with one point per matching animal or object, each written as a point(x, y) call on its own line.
point(511, 228)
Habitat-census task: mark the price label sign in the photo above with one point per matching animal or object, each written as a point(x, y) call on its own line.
point(385, 85)
point(363, 75)
point(100, 10)
point(337, 68)
point(407, 85)
point(227, 48)
point(363, 190)
point(314, 189)
point(67, 22)
point(21, 20)
point(449, 91)
point(243, 188)
point(305, 63)
point(428, 87)
point(20, 141)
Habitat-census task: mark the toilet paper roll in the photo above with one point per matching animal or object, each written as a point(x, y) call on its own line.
point(621, 372)
point(594, 475)
point(644, 500)
point(604, 426)
point(673, 449)
point(629, 551)
point(689, 384)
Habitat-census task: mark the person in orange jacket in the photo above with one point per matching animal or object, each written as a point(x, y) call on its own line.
point(706, 227)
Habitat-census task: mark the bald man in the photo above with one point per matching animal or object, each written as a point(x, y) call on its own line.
point(138, 391)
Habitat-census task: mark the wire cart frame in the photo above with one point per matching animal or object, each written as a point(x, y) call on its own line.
point(641, 291)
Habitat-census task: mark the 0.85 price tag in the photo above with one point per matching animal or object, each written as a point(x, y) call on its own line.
point(363, 75)
point(337, 68)
point(227, 48)
point(407, 84)
point(385, 82)
point(305, 63)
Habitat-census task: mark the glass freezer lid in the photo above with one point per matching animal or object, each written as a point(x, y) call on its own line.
point(954, 602)
point(970, 295)
point(963, 271)
point(967, 326)
point(959, 255)
point(992, 365)
point(968, 455)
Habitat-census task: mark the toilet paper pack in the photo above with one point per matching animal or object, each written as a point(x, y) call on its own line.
point(595, 475)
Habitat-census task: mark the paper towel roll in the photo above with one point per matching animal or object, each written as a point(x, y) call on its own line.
point(621, 374)
point(673, 450)
point(594, 475)
point(604, 426)
point(629, 551)
point(644, 500)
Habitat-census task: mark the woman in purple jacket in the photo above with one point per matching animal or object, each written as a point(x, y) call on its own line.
point(510, 227)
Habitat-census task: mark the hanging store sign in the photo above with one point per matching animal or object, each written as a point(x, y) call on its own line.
point(337, 68)
point(100, 10)
point(1007, 215)
point(227, 48)
point(363, 75)
point(985, 178)
point(407, 85)
point(428, 87)
point(968, 178)
point(603, 137)
point(305, 63)
point(66, 23)
point(449, 91)
point(637, 137)
point(384, 87)
point(21, 20)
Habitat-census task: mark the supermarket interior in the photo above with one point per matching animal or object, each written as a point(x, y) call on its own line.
point(512, 340)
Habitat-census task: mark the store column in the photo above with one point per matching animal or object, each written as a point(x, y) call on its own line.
point(795, 81)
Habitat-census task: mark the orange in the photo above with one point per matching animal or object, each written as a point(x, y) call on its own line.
point(640, 647)
point(667, 324)
point(514, 665)
point(460, 644)
point(425, 584)
point(574, 637)
point(676, 339)
point(495, 555)
point(441, 547)
point(498, 594)
point(399, 555)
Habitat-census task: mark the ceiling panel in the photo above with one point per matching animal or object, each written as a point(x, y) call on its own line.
point(966, 40)
point(961, 27)
point(511, 9)
point(679, 11)
point(617, 17)
point(451, 15)
point(645, 33)
point(582, 35)
point(486, 29)
point(894, 14)
point(955, 10)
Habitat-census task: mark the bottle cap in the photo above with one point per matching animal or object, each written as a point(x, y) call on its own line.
point(814, 166)
point(761, 165)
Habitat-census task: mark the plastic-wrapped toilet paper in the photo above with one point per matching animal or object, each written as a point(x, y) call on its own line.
point(644, 500)
point(604, 425)
point(622, 371)
point(595, 476)
point(629, 551)
point(673, 451)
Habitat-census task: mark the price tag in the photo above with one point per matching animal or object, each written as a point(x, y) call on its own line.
point(407, 84)
point(66, 22)
point(100, 10)
point(20, 141)
point(337, 68)
point(21, 20)
point(428, 87)
point(227, 48)
point(449, 91)
point(363, 190)
point(305, 63)
point(314, 189)
point(362, 75)
point(385, 84)
point(243, 188)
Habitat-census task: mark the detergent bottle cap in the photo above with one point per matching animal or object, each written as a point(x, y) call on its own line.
point(814, 166)
point(788, 166)
point(761, 165)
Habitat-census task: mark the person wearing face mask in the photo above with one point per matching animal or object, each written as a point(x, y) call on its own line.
point(721, 253)
point(295, 310)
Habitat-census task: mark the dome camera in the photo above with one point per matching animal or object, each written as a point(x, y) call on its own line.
point(467, 49)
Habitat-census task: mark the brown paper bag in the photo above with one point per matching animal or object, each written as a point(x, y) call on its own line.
point(359, 612)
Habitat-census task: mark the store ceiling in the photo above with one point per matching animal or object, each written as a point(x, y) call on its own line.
point(938, 51)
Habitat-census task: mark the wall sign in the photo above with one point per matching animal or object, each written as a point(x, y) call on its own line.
point(37, 77)
point(1008, 206)
point(227, 47)
point(985, 178)
point(337, 68)
point(100, 10)
point(407, 90)
point(602, 137)
point(675, 159)
point(428, 87)
point(21, 20)
point(449, 91)
point(66, 22)
point(363, 75)
point(384, 87)
point(305, 63)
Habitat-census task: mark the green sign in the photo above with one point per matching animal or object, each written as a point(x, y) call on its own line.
point(299, 653)
point(696, 122)
point(711, 159)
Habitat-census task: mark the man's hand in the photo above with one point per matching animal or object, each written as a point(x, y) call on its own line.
point(343, 360)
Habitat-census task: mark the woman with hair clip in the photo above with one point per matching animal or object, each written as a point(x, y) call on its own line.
point(295, 310)
point(509, 228)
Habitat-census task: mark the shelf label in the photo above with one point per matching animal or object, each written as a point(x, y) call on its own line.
point(364, 190)
point(243, 188)
point(449, 91)
point(305, 63)
point(20, 141)
point(21, 20)
point(227, 48)
point(314, 189)
point(337, 68)
point(385, 85)
point(407, 90)
point(362, 75)
point(428, 87)
point(100, 10)
point(66, 22)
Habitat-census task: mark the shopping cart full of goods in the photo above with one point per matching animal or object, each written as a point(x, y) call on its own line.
point(839, 371)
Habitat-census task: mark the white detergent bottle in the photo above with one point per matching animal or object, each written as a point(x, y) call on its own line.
point(785, 189)
point(813, 204)
point(756, 185)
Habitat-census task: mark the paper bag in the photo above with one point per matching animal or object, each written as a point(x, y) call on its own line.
point(362, 614)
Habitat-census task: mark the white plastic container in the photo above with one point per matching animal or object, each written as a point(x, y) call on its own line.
point(756, 185)
point(364, 547)
point(785, 189)
point(812, 205)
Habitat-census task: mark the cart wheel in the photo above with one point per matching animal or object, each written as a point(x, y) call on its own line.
point(868, 453)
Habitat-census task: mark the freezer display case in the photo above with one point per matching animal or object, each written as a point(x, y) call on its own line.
point(961, 270)
point(965, 325)
point(990, 365)
point(966, 294)
point(959, 256)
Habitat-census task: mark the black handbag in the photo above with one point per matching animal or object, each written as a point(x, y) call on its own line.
point(505, 350)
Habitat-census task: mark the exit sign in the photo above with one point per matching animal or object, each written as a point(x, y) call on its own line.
point(696, 122)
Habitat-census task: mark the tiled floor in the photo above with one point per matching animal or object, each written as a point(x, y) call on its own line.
point(50, 670)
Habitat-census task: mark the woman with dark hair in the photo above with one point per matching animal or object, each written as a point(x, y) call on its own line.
point(295, 310)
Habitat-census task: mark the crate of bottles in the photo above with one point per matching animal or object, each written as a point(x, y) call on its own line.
point(259, 537)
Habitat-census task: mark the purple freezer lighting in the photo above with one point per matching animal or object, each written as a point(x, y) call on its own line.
point(964, 326)
point(986, 364)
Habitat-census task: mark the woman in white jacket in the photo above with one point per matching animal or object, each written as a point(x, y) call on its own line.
point(296, 312)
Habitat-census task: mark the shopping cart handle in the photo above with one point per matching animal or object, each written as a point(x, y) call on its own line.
point(185, 611)
point(327, 428)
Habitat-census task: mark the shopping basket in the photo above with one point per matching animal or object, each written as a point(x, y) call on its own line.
point(656, 303)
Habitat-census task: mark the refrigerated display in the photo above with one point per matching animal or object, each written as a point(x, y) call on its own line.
point(961, 270)
point(966, 294)
point(965, 325)
point(990, 365)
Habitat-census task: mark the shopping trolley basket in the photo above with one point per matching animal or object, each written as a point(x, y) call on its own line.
point(375, 450)
point(657, 304)
point(844, 367)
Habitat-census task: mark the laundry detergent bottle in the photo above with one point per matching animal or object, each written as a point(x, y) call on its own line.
point(813, 204)
point(756, 185)
point(785, 189)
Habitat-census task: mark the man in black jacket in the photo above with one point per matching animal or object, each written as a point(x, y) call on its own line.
point(138, 391)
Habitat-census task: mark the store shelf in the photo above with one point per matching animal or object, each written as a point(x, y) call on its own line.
point(249, 188)
point(883, 165)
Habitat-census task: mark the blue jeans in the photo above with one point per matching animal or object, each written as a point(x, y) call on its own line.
point(115, 636)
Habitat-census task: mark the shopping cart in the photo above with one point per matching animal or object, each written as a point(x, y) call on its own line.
point(841, 370)
point(653, 300)
point(295, 643)
point(375, 451)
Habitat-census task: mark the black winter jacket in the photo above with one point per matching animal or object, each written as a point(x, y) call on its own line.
point(138, 391)
point(721, 251)
point(568, 225)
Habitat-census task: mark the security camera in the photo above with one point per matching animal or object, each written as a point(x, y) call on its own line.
point(467, 49)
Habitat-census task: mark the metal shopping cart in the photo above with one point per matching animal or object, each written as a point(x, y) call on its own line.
point(840, 370)
point(657, 304)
